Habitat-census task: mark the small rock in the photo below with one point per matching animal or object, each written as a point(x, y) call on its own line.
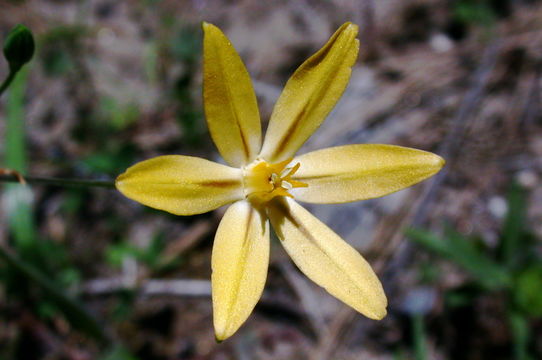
point(527, 178)
point(497, 206)
point(441, 43)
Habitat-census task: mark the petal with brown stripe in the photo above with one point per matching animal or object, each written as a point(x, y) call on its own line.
point(310, 94)
point(362, 171)
point(182, 185)
point(327, 259)
point(240, 260)
point(230, 104)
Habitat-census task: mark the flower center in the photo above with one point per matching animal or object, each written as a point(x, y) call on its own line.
point(264, 181)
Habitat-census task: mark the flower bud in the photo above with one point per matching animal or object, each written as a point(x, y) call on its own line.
point(19, 47)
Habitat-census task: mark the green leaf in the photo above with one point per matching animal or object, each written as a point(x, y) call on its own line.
point(111, 160)
point(119, 115)
point(60, 47)
point(462, 296)
point(418, 337)
point(151, 256)
point(463, 252)
point(186, 45)
point(18, 197)
point(116, 253)
point(74, 312)
point(118, 353)
point(475, 12)
point(520, 333)
point(527, 294)
point(513, 234)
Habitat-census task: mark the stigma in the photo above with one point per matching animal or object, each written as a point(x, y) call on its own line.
point(264, 181)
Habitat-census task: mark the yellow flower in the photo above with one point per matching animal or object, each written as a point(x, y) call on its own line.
point(263, 180)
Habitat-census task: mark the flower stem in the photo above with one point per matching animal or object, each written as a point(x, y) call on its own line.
point(58, 181)
point(7, 82)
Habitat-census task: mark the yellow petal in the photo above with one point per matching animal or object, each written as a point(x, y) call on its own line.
point(182, 185)
point(310, 94)
point(240, 259)
point(229, 100)
point(358, 172)
point(327, 259)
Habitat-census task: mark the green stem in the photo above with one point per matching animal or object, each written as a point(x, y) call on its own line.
point(7, 82)
point(418, 334)
point(520, 335)
point(59, 181)
point(72, 309)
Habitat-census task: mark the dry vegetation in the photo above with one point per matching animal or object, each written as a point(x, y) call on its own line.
point(115, 82)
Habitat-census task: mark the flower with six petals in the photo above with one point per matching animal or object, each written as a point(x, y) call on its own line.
point(264, 180)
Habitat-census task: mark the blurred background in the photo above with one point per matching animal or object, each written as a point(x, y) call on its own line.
point(93, 275)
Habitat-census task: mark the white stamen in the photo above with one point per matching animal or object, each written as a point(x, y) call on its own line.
point(285, 184)
point(285, 172)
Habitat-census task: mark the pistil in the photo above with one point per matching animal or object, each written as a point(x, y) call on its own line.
point(264, 181)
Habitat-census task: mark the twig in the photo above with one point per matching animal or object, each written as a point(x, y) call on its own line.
point(183, 288)
point(7, 175)
point(71, 308)
point(306, 297)
point(188, 240)
point(56, 345)
point(452, 142)
point(15, 174)
point(532, 104)
point(449, 150)
point(368, 33)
